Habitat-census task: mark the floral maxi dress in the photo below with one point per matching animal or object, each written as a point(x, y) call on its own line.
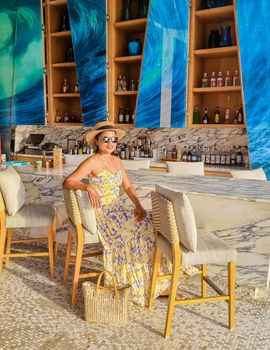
point(128, 244)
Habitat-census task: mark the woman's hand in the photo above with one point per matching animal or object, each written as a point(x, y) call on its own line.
point(140, 213)
point(93, 196)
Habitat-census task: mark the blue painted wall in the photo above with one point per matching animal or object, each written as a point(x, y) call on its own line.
point(21, 67)
point(162, 95)
point(253, 25)
point(88, 27)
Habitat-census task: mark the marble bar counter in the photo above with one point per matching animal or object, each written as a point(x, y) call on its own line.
point(235, 210)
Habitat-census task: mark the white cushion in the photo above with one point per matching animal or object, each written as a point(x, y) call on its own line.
point(256, 174)
point(184, 216)
point(87, 212)
point(12, 190)
point(136, 164)
point(185, 168)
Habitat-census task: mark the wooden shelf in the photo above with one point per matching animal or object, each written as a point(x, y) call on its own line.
point(219, 126)
point(216, 14)
point(67, 95)
point(128, 59)
point(118, 125)
point(65, 34)
point(217, 52)
point(210, 90)
point(58, 2)
point(67, 65)
point(132, 26)
point(125, 93)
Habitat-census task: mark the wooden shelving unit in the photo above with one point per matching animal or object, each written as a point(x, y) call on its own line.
point(220, 59)
point(120, 63)
point(57, 43)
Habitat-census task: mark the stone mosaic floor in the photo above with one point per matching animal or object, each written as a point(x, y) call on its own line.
point(35, 314)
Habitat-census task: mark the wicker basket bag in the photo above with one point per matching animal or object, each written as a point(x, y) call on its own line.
point(106, 305)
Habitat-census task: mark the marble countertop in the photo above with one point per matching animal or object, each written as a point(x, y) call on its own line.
point(249, 190)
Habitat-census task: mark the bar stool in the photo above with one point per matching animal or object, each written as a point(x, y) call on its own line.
point(178, 240)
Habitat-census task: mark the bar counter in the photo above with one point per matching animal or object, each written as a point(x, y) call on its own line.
point(235, 210)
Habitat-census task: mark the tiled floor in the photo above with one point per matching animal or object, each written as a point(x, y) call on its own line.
point(35, 314)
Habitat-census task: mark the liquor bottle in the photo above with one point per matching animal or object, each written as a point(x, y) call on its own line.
point(233, 156)
point(228, 79)
point(179, 152)
point(240, 115)
point(235, 119)
point(124, 83)
point(217, 116)
point(246, 157)
point(217, 157)
point(127, 152)
point(212, 156)
point(227, 116)
point(220, 81)
point(194, 155)
point(122, 152)
point(132, 151)
point(132, 116)
point(184, 155)
point(137, 152)
point(196, 115)
point(127, 116)
point(236, 80)
point(58, 118)
point(227, 157)
point(119, 83)
point(132, 86)
point(223, 156)
point(64, 24)
point(121, 115)
point(202, 154)
point(73, 117)
point(142, 152)
point(213, 80)
point(65, 86)
point(174, 152)
point(169, 149)
point(189, 154)
point(70, 54)
point(76, 148)
point(76, 87)
point(205, 82)
point(139, 141)
point(205, 119)
point(66, 117)
point(207, 156)
point(239, 157)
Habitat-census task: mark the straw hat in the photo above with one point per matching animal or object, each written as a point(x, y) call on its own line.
point(101, 127)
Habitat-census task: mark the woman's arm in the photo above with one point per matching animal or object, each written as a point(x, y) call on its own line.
point(139, 212)
point(73, 182)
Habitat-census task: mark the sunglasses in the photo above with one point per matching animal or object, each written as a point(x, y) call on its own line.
point(106, 139)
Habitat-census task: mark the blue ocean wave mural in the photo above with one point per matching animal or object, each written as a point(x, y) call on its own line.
point(254, 51)
point(88, 27)
point(21, 67)
point(162, 95)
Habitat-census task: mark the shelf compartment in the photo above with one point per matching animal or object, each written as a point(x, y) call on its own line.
point(132, 26)
point(217, 52)
point(67, 95)
point(222, 89)
point(67, 65)
point(64, 34)
point(125, 93)
point(218, 126)
point(216, 14)
point(128, 59)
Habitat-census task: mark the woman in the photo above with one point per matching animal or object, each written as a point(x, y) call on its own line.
point(126, 233)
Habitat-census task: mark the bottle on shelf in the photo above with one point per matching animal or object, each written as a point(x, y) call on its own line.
point(119, 83)
point(70, 54)
point(58, 118)
point(217, 116)
point(205, 119)
point(227, 157)
point(239, 157)
point(132, 151)
point(213, 80)
point(202, 154)
point(73, 117)
point(246, 157)
point(76, 87)
point(174, 152)
point(121, 115)
point(66, 117)
point(235, 119)
point(217, 156)
point(184, 155)
point(64, 24)
point(236, 80)
point(225, 36)
point(233, 156)
point(214, 39)
point(223, 156)
point(189, 154)
point(220, 81)
point(65, 86)
point(194, 155)
point(127, 116)
point(132, 86)
point(169, 149)
point(205, 82)
point(212, 156)
point(132, 116)
point(228, 79)
point(227, 116)
point(240, 115)
point(196, 115)
point(126, 14)
point(207, 155)
point(124, 83)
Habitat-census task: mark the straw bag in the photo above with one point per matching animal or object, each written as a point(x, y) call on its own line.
point(106, 305)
